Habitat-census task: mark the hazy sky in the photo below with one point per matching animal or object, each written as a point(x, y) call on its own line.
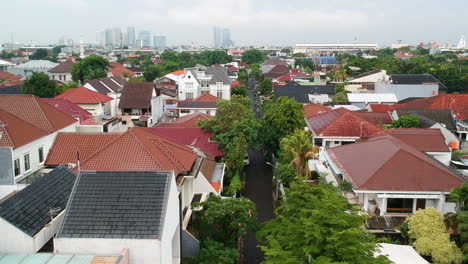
point(251, 21)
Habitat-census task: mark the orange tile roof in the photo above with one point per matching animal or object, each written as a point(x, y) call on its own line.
point(311, 110)
point(138, 149)
point(83, 95)
point(119, 70)
point(27, 117)
point(216, 186)
point(206, 98)
point(67, 145)
point(178, 72)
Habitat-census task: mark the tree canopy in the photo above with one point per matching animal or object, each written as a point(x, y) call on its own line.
point(460, 197)
point(213, 252)
point(298, 147)
point(63, 87)
point(253, 56)
point(40, 85)
point(89, 68)
point(266, 87)
point(209, 58)
point(39, 54)
point(427, 229)
point(239, 90)
point(406, 121)
point(282, 117)
point(315, 224)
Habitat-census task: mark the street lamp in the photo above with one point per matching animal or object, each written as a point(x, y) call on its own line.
point(277, 179)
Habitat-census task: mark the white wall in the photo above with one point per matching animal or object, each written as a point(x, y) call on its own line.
point(157, 108)
point(141, 251)
point(403, 91)
point(183, 89)
point(201, 185)
point(33, 150)
point(226, 91)
point(319, 98)
point(15, 240)
point(171, 233)
point(443, 157)
point(208, 111)
point(61, 77)
point(449, 136)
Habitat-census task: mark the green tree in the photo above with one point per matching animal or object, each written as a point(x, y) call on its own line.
point(57, 49)
point(253, 56)
point(225, 220)
point(266, 87)
point(315, 224)
point(40, 85)
point(63, 87)
point(239, 90)
point(137, 79)
point(39, 54)
point(406, 121)
point(186, 60)
point(89, 68)
point(460, 197)
point(340, 98)
point(427, 229)
point(213, 252)
point(282, 117)
point(169, 55)
point(209, 57)
point(299, 55)
point(242, 76)
point(152, 72)
point(298, 146)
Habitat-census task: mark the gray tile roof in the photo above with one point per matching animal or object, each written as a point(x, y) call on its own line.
point(196, 104)
point(416, 79)
point(28, 209)
point(428, 117)
point(117, 205)
point(219, 75)
point(301, 92)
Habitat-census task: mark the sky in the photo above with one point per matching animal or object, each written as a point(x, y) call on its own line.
point(252, 22)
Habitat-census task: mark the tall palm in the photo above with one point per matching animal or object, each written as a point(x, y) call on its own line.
point(299, 146)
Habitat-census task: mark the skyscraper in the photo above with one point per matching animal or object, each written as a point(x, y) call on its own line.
point(226, 38)
point(130, 36)
point(117, 37)
point(109, 39)
point(159, 42)
point(217, 37)
point(144, 39)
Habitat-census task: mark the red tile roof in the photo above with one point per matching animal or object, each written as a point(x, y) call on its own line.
point(67, 145)
point(27, 118)
point(83, 95)
point(9, 79)
point(178, 72)
point(376, 118)
point(457, 103)
point(388, 164)
point(423, 139)
point(69, 108)
point(206, 98)
point(342, 123)
point(236, 83)
point(194, 137)
point(188, 121)
point(119, 70)
point(311, 110)
point(137, 95)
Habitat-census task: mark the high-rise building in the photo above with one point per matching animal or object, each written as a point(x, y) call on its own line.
point(131, 36)
point(144, 39)
point(159, 42)
point(217, 37)
point(226, 38)
point(109, 38)
point(117, 37)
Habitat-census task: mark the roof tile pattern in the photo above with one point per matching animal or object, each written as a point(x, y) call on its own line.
point(386, 163)
point(426, 140)
point(311, 110)
point(82, 95)
point(188, 121)
point(119, 204)
point(137, 95)
point(69, 108)
point(342, 123)
point(28, 209)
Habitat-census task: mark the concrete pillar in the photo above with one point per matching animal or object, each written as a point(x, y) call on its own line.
point(366, 202)
point(440, 204)
point(383, 210)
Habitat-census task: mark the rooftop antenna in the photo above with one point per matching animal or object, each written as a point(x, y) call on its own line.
point(78, 160)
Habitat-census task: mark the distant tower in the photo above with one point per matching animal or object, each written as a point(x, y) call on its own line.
point(462, 43)
point(82, 52)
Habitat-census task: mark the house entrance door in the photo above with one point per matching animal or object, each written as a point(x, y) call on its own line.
point(420, 204)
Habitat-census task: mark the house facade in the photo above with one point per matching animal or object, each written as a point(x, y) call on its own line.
point(96, 103)
point(62, 72)
point(194, 83)
point(111, 87)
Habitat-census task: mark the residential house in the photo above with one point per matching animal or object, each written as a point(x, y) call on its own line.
point(137, 70)
point(456, 103)
point(195, 83)
point(277, 71)
point(409, 85)
point(187, 121)
point(26, 69)
point(8, 79)
point(311, 110)
point(96, 103)
point(141, 104)
point(111, 87)
point(271, 63)
point(49, 258)
point(111, 210)
point(31, 217)
point(117, 69)
point(28, 127)
point(341, 126)
point(362, 82)
point(434, 118)
point(391, 177)
point(306, 94)
point(206, 103)
point(5, 65)
point(62, 72)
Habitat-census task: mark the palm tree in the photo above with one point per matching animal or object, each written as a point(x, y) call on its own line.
point(299, 146)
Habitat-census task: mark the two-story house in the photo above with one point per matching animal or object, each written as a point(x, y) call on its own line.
point(96, 103)
point(62, 72)
point(195, 83)
point(111, 87)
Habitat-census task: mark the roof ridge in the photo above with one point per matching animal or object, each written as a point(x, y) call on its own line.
point(143, 145)
point(43, 115)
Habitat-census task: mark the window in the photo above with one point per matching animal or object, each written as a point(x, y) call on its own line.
point(17, 167)
point(41, 154)
point(219, 93)
point(60, 77)
point(27, 164)
point(398, 205)
point(189, 96)
point(189, 85)
point(219, 85)
point(184, 111)
point(208, 112)
point(204, 83)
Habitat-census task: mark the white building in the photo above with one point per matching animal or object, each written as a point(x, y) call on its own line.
point(62, 72)
point(96, 103)
point(317, 48)
point(193, 83)
point(107, 212)
point(111, 87)
point(28, 130)
point(32, 216)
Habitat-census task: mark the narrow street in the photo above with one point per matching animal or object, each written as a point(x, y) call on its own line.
point(258, 188)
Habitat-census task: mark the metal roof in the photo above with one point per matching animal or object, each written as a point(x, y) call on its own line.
point(45, 258)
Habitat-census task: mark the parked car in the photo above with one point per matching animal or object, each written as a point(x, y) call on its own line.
point(246, 159)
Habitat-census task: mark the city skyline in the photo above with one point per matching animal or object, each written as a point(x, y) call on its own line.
point(251, 22)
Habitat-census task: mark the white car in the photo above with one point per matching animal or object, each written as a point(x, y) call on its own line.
point(246, 159)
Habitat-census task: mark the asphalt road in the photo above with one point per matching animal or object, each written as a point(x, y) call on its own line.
point(258, 188)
